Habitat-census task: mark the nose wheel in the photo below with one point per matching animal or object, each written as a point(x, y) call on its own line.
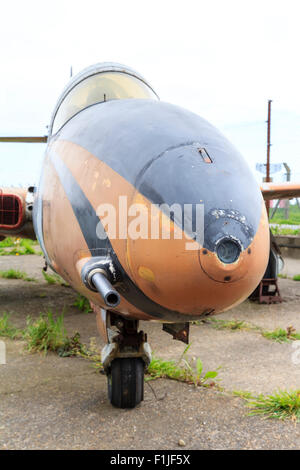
point(124, 358)
point(126, 382)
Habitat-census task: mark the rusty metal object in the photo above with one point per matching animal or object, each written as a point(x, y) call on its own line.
point(128, 335)
point(268, 152)
point(179, 331)
point(16, 213)
point(280, 190)
point(265, 293)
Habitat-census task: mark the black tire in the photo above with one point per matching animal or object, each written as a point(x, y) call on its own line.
point(126, 382)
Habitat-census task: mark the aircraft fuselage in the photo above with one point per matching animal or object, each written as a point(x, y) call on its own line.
point(151, 155)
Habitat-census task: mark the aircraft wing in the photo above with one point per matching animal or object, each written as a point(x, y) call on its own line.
point(280, 190)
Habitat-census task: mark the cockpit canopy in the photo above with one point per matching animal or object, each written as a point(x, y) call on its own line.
point(99, 83)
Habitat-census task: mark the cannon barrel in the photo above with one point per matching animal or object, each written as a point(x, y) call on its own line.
point(105, 289)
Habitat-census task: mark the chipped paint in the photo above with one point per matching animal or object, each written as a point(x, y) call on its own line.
point(146, 273)
point(106, 182)
point(112, 269)
point(231, 214)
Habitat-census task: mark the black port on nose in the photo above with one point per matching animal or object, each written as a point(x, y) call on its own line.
point(228, 250)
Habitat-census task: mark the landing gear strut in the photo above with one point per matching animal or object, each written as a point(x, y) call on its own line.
point(124, 358)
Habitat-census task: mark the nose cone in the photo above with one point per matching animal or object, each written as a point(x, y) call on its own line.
point(231, 251)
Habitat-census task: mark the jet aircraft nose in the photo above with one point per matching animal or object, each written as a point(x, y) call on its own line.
point(217, 248)
point(160, 155)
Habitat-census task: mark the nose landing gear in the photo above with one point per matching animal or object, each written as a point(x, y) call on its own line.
point(124, 358)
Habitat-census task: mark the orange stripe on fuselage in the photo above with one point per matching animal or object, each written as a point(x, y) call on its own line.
point(64, 241)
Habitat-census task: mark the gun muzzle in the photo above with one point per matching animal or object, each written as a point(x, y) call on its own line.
point(105, 289)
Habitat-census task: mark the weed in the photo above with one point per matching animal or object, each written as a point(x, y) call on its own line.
point(159, 368)
point(229, 324)
point(294, 216)
point(242, 394)
point(16, 274)
point(296, 278)
point(7, 242)
point(28, 249)
point(282, 276)
point(7, 329)
point(281, 405)
point(281, 336)
point(83, 304)
point(45, 333)
point(54, 279)
point(19, 246)
point(72, 347)
point(284, 231)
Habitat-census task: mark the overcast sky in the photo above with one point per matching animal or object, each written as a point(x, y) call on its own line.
point(221, 59)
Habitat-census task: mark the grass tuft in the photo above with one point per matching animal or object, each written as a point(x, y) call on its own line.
point(284, 231)
point(45, 333)
point(16, 274)
point(7, 242)
point(7, 329)
point(82, 303)
point(73, 347)
point(54, 279)
point(18, 246)
point(28, 248)
point(282, 336)
point(184, 371)
point(279, 334)
point(48, 334)
point(294, 216)
point(296, 278)
point(228, 324)
point(242, 394)
point(281, 405)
